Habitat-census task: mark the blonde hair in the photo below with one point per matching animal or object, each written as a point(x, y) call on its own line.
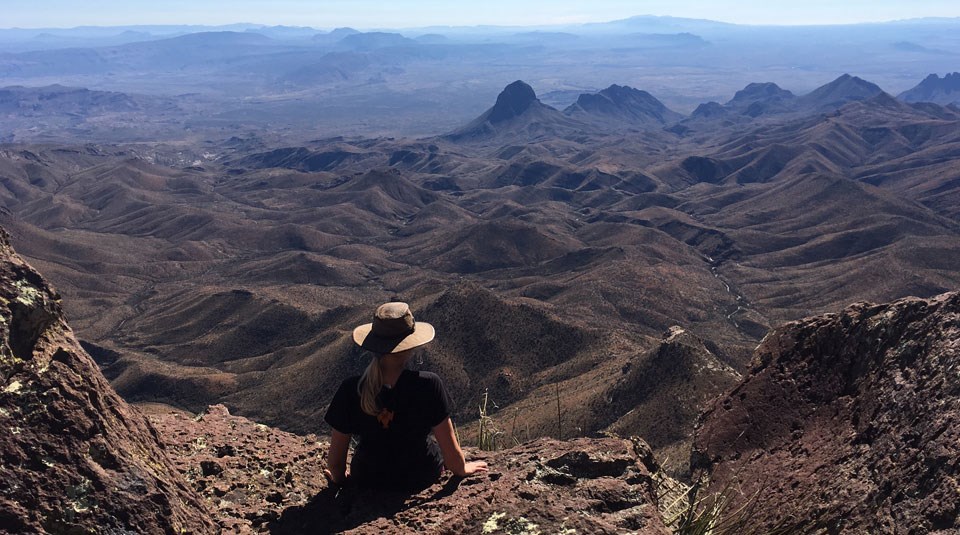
point(369, 387)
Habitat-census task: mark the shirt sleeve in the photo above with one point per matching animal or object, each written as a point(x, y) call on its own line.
point(343, 406)
point(440, 405)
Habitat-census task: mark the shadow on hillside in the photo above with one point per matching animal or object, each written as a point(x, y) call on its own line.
point(334, 511)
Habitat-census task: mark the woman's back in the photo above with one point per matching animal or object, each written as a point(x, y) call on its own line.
point(393, 411)
point(394, 447)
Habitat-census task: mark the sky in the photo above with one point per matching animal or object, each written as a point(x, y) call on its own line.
point(366, 14)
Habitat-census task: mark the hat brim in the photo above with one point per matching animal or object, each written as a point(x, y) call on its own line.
point(422, 333)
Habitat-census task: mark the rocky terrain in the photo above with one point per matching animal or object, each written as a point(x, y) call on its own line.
point(597, 262)
point(260, 480)
point(231, 272)
point(76, 457)
point(869, 394)
point(933, 88)
point(847, 422)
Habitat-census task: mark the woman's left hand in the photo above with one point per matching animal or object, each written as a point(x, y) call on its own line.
point(474, 467)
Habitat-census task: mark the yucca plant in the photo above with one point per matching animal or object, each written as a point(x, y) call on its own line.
point(488, 436)
point(687, 512)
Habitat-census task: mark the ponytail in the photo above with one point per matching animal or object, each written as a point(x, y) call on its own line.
point(369, 387)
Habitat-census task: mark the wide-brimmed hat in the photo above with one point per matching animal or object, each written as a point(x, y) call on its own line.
point(393, 330)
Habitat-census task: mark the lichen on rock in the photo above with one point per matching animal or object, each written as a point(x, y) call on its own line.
point(76, 457)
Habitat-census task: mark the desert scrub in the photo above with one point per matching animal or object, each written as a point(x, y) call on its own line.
point(687, 511)
point(488, 436)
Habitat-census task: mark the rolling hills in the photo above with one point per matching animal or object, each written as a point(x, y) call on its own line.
point(233, 271)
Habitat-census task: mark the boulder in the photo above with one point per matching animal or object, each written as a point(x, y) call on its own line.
point(76, 457)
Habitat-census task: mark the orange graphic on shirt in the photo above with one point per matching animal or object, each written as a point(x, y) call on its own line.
point(385, 417)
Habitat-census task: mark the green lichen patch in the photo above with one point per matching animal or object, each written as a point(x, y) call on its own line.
point(493, 523)
point(27, 294)
point(500, 523)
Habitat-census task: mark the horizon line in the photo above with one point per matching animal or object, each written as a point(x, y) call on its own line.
point(475, 26)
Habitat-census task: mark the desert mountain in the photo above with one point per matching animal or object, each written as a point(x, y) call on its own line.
point(762, 99)
point(57, 99)
point(517, 113)
point(233, 273)
point(76, 456)
point(943, 91)
point(844, 89)
point(374, 40)
point(623, 104)
point(847, 421)
point(670, 384)
point(766, 101)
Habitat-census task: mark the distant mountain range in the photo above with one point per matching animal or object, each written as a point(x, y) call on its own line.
point(309, 83)
point(593, 230)
point(944, 90)
point(518, 113)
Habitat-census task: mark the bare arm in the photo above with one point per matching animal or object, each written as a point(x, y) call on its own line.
point(452, 454)
point(337, 458)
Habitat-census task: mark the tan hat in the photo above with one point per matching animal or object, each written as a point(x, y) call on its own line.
point(393, 330)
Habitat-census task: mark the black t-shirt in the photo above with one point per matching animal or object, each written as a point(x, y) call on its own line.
point(394, 449)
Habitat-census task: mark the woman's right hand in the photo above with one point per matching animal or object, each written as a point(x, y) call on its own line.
point(335, 480)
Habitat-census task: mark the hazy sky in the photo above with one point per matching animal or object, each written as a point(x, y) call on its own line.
point(414, 13)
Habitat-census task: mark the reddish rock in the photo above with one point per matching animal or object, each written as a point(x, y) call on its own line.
point(847, 423)
point(75, 457)
point(546, 486)
point(272, 482)
point(248, 473)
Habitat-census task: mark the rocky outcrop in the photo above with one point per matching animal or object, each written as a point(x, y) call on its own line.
point(660, 396)
point(515, 99)
point(516, 113)
point(597, 486)
point(847, 423)
point(261, 480)
point(247, 472)
point(76, 457)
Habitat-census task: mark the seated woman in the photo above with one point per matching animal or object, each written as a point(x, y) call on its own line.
point(393, 411)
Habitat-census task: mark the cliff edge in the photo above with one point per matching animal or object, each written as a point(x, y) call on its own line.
point(76, 457)
point(847, 423)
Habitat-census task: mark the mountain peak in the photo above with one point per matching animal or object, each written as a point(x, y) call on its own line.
point(757, 91)
point(625, 103)
point(512, 101)
point(517, 112)
point(845, 88)
point(944, 90)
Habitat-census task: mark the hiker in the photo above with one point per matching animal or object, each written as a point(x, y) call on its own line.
point(392, 410)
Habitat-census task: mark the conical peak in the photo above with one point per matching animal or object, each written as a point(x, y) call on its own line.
point(512, 101)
